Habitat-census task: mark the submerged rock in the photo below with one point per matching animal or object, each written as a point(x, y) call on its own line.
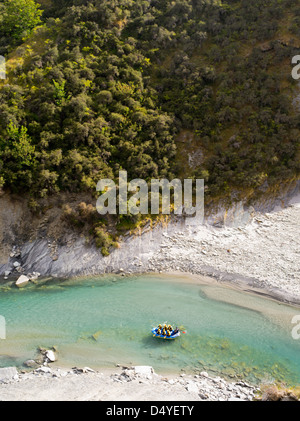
point(30, 364)
point(96, 335)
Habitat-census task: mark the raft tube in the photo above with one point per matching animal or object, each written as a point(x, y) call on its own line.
point(173, 336)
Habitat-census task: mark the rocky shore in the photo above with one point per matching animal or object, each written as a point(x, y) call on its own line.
point(255, 250)
point(139, 383)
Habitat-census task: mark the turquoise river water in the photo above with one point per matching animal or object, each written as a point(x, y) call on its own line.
point(228, 332)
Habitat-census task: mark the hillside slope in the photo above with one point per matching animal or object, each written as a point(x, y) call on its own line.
point(188, 88)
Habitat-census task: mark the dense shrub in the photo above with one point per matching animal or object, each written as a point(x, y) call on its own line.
point(106, 85)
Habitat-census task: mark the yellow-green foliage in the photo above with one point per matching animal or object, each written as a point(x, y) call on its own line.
point(19, 17)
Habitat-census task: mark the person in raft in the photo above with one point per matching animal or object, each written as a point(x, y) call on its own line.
point(166, 330)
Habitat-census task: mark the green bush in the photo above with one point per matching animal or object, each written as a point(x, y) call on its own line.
point(19, 17)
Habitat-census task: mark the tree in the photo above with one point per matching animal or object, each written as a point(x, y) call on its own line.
point(17, 158)
point(21, 149)
point(20, 17)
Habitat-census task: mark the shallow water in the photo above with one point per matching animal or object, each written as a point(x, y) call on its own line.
point(245, 336)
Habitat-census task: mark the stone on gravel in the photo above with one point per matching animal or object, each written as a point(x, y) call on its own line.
point(143, 370)
point(43, 370)
point(88, 370)
point(192, 388)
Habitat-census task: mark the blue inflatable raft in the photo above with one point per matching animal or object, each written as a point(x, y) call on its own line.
point(172, 336)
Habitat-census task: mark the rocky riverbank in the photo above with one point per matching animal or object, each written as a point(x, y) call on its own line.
point(139, 383)
point(246, 247)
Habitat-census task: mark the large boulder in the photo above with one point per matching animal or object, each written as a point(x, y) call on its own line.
point(22, 281)
point(50, 355)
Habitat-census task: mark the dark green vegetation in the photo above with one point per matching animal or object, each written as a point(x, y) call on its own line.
point(98, 86)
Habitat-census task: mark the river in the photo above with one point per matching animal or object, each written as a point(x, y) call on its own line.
point(228, 332)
